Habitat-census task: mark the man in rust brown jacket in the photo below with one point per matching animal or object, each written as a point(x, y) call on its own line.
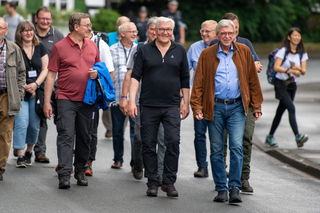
point(225, 85)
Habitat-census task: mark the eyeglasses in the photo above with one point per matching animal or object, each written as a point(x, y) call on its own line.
point(133, 32)
point(162, 30)
point(27, 30)
point(226, 33)
point(86, 25)
point(44, 19)
point(206, 31)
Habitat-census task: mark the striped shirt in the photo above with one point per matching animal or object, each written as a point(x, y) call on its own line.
point(120, 57)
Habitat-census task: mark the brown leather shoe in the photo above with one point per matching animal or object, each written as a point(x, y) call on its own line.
point(42, 158)
point(108, 134)
point(116, 165)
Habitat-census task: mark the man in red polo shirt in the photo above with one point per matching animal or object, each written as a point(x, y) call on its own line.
point(72, 58)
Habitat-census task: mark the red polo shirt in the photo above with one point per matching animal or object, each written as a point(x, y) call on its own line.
point(72, 64)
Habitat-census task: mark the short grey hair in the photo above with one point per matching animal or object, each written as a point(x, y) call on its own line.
point(164, 19)
point(123, 27)
point(225, 23)
point(152, 20)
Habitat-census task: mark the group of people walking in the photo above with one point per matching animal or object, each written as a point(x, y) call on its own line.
point(151, 83)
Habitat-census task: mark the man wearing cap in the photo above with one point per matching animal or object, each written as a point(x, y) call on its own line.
point(141, 23)
point(175, 14)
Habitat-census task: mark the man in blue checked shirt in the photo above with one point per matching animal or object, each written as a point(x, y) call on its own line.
point(208, 33)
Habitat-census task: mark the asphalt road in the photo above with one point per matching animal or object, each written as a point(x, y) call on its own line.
point(278, 187)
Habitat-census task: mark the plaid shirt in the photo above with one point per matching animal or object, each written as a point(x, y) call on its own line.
point(120, 56)
point(3, 53)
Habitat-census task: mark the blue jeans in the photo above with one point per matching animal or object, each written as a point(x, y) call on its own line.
point(232, 118)
point(26, 125)
point(118, 119)
point(200, 129)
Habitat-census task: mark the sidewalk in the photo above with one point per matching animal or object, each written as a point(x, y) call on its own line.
point(307, 104)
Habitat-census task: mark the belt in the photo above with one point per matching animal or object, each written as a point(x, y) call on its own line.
point(227, 101)
point(2, 91)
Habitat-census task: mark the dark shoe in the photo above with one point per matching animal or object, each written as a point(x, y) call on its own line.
point(81, 179)
point(234, 196)
point(301, 139)
point(201, 173)
point(15, 152)
point(1, 177)
point(152, 191)
point(221, 197)
point(64, 182)
point(108, 134)
point(42, 158)
point(116, 165)
point(137, 173)
point(27, 158)
point(246, 188)
point(21, 163)
point(88, 171)
point(170, 190)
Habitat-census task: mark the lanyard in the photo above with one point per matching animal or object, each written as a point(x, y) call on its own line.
point(2, 48)
point(125, 52)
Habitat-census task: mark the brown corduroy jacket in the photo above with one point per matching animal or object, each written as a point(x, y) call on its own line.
point(203, 90)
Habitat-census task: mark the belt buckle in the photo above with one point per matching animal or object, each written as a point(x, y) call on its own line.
point(225, 101)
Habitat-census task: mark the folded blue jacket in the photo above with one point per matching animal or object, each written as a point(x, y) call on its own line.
point(100, 91)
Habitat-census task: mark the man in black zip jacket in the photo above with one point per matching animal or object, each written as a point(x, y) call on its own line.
point(162, 67)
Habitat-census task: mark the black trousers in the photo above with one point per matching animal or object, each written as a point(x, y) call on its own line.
point(94, 135)
point(285, 93)
point(74, 120)
point(151, 117)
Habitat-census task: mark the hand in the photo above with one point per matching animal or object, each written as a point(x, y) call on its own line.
point(93, 74)
point(257, 115)
point(31, 88)
point(199, 115)
point(47, 110)
point(184, 110)
point(258, 66)
point(132, 109)
point(124, 106)
point(295, 72)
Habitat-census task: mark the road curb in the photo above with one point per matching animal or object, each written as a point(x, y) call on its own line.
point(290, 157)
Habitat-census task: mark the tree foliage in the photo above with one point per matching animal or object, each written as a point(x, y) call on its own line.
point(260, 20)
point(105, 20)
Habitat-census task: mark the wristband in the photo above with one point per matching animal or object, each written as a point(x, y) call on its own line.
point(37, 84)
point(124, 96)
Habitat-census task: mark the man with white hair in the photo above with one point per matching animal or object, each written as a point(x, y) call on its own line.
point(225, 85)
point(208, 33)
point(162, 68)
point(121, 52)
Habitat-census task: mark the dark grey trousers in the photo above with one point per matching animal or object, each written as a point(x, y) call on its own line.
point(73, 125)
point(41, 147)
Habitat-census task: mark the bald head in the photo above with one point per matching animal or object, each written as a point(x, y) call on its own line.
point(121, 20)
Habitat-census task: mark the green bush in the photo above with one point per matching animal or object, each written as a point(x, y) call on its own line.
point(105, 20)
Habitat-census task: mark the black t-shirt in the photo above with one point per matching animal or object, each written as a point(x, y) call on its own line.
point(162, 78)
point(34, 64)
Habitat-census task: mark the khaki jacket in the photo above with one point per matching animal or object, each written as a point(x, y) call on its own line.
point(203, 91)
point(15, 77)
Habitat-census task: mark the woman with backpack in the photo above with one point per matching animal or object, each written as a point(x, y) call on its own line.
point(290, 64)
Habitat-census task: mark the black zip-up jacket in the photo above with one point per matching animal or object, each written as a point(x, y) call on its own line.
point(162, 77)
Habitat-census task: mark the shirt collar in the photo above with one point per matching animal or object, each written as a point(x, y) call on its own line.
point(72, 43)
point(221, 51)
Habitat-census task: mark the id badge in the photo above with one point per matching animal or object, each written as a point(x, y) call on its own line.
point(32, 74)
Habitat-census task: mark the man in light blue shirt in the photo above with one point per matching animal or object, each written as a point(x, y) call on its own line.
point(208, 33)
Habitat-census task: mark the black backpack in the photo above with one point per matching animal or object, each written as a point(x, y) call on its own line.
point(271, 74)
point(101, 35)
